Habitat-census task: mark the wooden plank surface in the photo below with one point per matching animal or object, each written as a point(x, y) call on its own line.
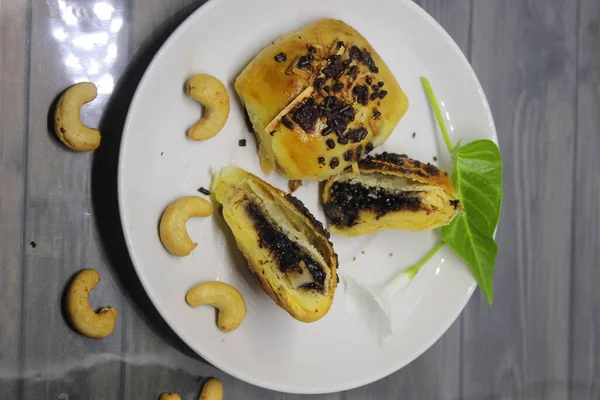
point(13, 167)
point(524, 52)
point(585, 225)
point(539, 64)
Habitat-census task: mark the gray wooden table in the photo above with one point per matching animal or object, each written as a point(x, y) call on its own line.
point(539, 63)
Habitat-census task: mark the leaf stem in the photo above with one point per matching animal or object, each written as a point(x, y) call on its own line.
point(413, 270)
point(436, 110)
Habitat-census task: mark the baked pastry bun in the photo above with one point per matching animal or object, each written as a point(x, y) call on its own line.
point(286, 247)
point(319, 98)
point(389, 191)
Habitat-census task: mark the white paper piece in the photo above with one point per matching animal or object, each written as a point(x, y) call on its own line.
point(371, 305)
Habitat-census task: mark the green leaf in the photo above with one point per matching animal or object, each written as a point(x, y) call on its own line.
point(477, 176)
point(476, 248)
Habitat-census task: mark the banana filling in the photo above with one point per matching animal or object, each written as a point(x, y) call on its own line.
point(349, 199)
point(295, 262)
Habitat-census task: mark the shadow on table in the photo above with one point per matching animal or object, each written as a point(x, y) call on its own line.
point(104, 180)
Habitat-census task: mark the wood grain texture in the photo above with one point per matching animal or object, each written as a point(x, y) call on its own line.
point(524, 52)
point(60, 216)
point(539, 64)
point(585, 253)
point(13, 64)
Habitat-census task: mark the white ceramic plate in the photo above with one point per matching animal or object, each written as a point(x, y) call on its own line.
point(159, 164)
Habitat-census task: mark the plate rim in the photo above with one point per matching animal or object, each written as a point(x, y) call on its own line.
point(182, 27)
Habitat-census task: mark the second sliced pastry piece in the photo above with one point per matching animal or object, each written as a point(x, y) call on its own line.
point(286, 247)
point(389, 191)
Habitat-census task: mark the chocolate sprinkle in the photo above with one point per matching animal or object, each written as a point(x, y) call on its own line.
point(356, 135)
point(348, 155)
point(334, 163)
point(33, 245)
point(382, 94)
point(361, 93)
point(242, 142)
point(352, 70)
point(281, 57)
point(369, 148)
point(204, 191)
point(375, 88)
point(305, 61)
point(319, 83)
point(376, 113)
point(432, 169)
point(330, 143)
point(287, 123)
point(374, 96)
point(312, 50)
point(337, 87)
point(369, 80)
point(321, 160)
point(306, 115)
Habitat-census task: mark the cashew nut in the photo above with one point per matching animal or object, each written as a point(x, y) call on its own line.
point(212, 390)
point(212, 94)
point(227, 299)
point(82, 316)
point(67, 121)
point(173, 232)
point(169, 396)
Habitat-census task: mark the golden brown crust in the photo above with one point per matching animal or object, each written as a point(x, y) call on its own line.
point(417, 196)
point(267, 87)
point(402, 165)
point(236, 189)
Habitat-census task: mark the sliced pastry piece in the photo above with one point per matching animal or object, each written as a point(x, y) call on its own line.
point(389, 191)
point(318, 98)
point(286, 247)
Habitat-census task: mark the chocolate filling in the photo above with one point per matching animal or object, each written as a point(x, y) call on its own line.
point(349, 199)
point(288, 254)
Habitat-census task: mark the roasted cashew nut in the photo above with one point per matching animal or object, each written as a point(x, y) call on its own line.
point(67, 121)
point(227, 299)
point(169, 396)
point(82, 316)
point(173, 232)
point(212, 390)
point(212, 94)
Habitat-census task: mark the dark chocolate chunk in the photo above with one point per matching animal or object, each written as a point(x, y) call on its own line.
point(327, 89)
point(349, 199)
point(319, 83)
